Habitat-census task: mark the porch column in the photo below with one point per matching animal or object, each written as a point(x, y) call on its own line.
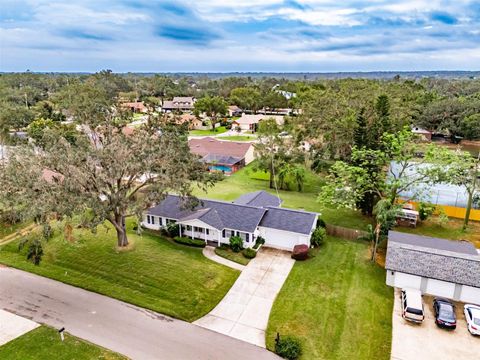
point(180, 229)
point(219, 236)
point(192, 232)
point(205, 231)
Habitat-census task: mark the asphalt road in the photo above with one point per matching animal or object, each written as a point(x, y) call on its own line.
point(121, 327)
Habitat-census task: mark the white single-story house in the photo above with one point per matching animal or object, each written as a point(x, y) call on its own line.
point(250, 216)
point(250, 122)
point(438, 267)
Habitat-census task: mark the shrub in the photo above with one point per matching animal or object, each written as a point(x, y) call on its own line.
point(189, 242)
point(300, 252)
point(259, 241)
point(172, 229)
point(288, 347)
point(425, 210)
point(321, 223)
point(318, 236)
point(236, 243)
point(249, 253)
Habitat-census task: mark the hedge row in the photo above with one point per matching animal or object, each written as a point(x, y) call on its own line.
point(189, 241)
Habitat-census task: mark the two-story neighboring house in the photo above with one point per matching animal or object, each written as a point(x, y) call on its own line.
point(179, 103)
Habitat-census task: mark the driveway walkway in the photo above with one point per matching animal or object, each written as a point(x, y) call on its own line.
point(209, 252)
point(427, 341)
point(124, 328)
point(243, 313)
point(13, 326)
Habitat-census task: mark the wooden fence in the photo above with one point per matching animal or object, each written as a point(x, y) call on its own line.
point(345, 233)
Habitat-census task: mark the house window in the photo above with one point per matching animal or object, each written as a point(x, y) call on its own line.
point(207, 231)
point(189, 228)
point(153, 220)
point(247, 237)
point(160, 221)
point(232, 233)
point(223, 233)
point(148, 219)
point(238, 233)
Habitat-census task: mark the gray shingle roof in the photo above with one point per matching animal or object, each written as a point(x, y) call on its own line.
point(289, 220)
point(453, 261)
point(258, 198)
point(221, 215)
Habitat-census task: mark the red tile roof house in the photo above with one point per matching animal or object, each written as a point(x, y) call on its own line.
point(224, 156)
point(135, 107)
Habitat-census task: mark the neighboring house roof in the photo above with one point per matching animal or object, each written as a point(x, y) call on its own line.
point(258, 198)
point(289, 220)
point(231, 216)
point(452, 261)
point(179, 102)
point(138, 105)
point(209, 145)
point(226, 215)
point(234, 108)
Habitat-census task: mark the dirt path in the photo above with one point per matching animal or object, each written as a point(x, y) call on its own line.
point(24, 231)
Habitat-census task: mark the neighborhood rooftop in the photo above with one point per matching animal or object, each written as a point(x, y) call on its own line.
point(452, 261)
point(209, 145)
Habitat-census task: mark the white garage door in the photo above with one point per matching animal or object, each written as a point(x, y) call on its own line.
point(440, 288)
point(407, 281)
point(470, 295)
point(281, 239)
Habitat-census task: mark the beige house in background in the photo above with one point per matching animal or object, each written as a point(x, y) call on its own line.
point(249, 122)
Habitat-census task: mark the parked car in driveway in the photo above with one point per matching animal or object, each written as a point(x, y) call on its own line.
point(472, 315)
point(412, 305)
point(444, 312)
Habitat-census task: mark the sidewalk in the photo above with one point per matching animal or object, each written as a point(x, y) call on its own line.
point(209, 252)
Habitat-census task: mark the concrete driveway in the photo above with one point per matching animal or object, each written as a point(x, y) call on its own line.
point(243, 313)
point(13, 326)
point(427, 341)
point(135, 332)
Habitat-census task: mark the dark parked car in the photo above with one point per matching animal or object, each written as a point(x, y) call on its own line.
point(444, 312)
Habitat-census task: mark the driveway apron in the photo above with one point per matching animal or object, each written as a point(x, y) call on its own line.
point(243, 313)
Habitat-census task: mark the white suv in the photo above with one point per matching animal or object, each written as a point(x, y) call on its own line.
point(412, 305)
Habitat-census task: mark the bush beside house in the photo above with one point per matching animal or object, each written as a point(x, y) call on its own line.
point(288, 347)
point(189, 241)
point(236, 243)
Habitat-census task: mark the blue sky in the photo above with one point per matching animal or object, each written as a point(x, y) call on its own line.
point(240, 35)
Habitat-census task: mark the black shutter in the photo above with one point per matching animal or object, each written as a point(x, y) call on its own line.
point(248, 237)
point(148, 219)
point(223, 233)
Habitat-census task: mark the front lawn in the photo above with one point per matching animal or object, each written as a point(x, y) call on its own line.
point(228, 254)
point(155, 273)
point(336, 304)
point(246, 180)
point(218, 130)
point(44, 343)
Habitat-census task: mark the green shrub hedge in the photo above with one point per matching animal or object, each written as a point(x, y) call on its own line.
point(189, 242)
point(249, 253)
point(288, 348)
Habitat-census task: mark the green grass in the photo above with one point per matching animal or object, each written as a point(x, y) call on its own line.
point(237, 138)
point(336, 304)
point(44, 343)
point(228, 254)
point(155, 273)
point(219, 130)
point(246, 180)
